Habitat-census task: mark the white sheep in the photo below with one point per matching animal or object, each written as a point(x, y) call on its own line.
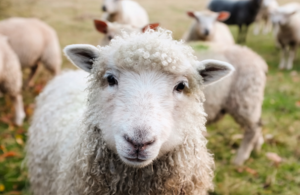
point(11, 78)
point(207, 27)
point(137, 129)
point(111, 30)
point(125, 12)
point(263, 18)
point(34, 42)
point(240, 95)
point(287, 19)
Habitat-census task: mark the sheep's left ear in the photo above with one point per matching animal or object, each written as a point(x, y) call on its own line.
point(223, 16)
point(82, 55)
point(152, 26)
point(214, 70)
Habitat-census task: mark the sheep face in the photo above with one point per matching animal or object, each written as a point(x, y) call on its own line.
point(205, 21)
point(111, 6)
point(144, 99)
point(282, 17)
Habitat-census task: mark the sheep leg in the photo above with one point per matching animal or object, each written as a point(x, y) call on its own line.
point(268, 26)
point(257, 27)
point(251, 139)
point(19, 109)
point(239, 40)
point(291, 57)
point(32, 74)
point(284, 53)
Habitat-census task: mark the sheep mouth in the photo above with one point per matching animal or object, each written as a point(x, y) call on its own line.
point(134, 159)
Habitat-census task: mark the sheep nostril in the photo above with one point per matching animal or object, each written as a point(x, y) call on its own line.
point(104, 8)
point(206, 32)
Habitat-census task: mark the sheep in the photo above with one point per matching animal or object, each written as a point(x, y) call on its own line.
point(111, 30)
point(240, 95)
point(137, 129)
point(125, 12)
point(207, 28)
point(33, 41)
point(11, 78)
point(287, 19)
point(263, 16)
point(242, 13)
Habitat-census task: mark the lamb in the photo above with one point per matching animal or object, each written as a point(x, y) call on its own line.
point(111, 30)
point(33, 41)
point(207, 28)
point(242, 13)
point(263, 16)
point(240, 95)
point(287, 19)
point(137, 129)
point(11, 78)
point(125, 12)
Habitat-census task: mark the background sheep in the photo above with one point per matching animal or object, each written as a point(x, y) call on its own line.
point(11, 78)
point(240, 95)
point(287, 18)
point(242, 13)
point(125, 12)
point(111, 30)
point(263, 18)
point(34, 42)
point(139, 134)
point(207, 28)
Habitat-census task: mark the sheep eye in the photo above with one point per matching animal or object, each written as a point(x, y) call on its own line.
point(111, 80)
point(180, 87)
point(110, 37)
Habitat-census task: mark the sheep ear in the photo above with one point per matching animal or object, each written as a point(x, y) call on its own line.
point(101, 26)
point(223, 16)
point(150, 26)
point(191, 14)
point(82, 55)
point(214, 70)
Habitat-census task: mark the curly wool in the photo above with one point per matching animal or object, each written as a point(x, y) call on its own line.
point(90, 167)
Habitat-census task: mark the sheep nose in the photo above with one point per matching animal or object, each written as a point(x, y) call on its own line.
point(104, 8)
point(206, 32)
point(138, 146)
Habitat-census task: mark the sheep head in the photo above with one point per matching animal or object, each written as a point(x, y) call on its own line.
point(142, 89)
point(205, 21)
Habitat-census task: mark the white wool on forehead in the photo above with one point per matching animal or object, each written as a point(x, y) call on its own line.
point(154, 49)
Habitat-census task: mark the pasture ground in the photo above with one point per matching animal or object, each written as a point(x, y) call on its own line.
point(72, 20)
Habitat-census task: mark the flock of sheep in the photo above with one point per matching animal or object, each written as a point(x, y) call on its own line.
point(133, 121)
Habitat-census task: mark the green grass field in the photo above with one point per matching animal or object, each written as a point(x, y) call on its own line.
point(281, 109)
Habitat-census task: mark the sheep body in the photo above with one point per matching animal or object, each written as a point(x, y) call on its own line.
point(240, 95)
point(11, 78)
point(33, 41)
point(126, 12)
point(242, 13)
point(208, 30)
point(287, 20)
point(70, 150)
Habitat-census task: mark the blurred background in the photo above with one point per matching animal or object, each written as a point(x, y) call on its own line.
point(73, 22)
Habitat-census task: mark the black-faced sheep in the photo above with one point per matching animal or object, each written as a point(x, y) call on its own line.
point(33, 41)
point(11, 78)
point(242, 13)
point(137, 129)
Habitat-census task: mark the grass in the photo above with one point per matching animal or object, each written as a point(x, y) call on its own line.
point(72, 19)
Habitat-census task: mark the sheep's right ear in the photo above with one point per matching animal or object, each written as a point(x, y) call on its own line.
point(214, 70)
point(101, 26)
point(191, 14)
point(82, 55)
